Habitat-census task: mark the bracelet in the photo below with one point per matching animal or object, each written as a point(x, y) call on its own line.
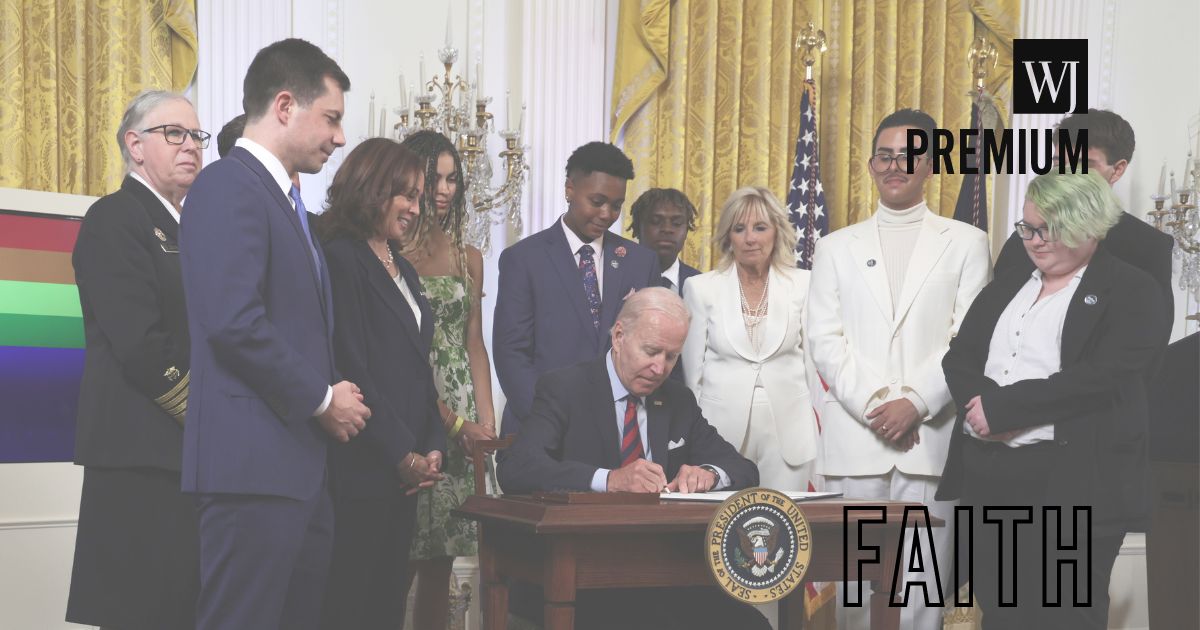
point(453, 433)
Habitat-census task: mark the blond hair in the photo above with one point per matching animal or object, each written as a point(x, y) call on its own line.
point(745, 202)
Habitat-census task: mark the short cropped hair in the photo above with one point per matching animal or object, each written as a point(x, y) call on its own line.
point(602, 157)
point(374, 172)
point(1076, 206)
point(229, 134)
point(135, 114)
point(293, 65)
point(649, 299)
point(905, 118)
point(655, 197)
point(744, 202)
point(1105, 131)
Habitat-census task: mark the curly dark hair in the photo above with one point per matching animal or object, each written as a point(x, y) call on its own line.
point(655, 197)
point(907, 117)
point(374, 172)
point(428, 146)
point(599, 156)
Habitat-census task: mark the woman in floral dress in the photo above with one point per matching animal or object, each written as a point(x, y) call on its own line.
point(452, 275)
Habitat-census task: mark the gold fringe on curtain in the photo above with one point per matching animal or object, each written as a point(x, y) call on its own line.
point(69, 68)
point(706, 93)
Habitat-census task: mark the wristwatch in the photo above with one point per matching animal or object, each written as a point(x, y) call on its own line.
point(713, 470)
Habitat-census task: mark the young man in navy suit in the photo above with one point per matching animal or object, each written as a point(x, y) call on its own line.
point(560, 290)
point(265, 399)
point(661, 219)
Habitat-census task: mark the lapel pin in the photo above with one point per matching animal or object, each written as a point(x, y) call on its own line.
point(658, 403)
point(1090, 299)
point(619, 251)
point(870, 262)
point(159, 233)
point(614, 264)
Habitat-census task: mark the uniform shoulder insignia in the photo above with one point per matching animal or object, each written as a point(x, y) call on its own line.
point(172, 373)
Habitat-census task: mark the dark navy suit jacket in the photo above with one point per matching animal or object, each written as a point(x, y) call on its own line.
point(685, 271)
point(542, 321)
point(378, 346)
point(261, 322)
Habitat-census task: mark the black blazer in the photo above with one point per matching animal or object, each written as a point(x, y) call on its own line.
point(572, 431)
point(1097, 402)
point(686, 271)
point(135, 377)
point(1131, 239)
point(378, 347)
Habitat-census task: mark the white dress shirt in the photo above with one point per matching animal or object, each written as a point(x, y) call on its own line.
point(280, 175)
point(672, 274)
point(408, 297)
point(574, 242)
point(166, 204)
point(1027, 344)
point(619, 393)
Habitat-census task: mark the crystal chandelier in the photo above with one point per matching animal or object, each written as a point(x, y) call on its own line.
point(453, 107)
point(1181, 221)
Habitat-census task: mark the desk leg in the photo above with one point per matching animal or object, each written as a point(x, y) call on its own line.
point(559, 585)
point(495, 590)
point(884, 617)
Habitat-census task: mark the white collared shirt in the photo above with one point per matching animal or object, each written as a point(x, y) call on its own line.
point(271, 163)
point(1027, 344)
point(619, 394)
point(672, 274)
point(574, 242)
point(408, 297)
point(280, 175)
point(166, 204)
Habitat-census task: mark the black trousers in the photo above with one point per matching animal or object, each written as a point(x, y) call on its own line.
point(1013, 572)
point(369, 570)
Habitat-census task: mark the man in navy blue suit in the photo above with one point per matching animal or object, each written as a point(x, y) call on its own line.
point(560, 289)
point(661, 219)
point(262, 409)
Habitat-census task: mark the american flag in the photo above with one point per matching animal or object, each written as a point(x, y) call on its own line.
point(972, 197)
point(806, 197)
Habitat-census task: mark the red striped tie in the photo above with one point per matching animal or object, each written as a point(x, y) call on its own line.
point(631, 437)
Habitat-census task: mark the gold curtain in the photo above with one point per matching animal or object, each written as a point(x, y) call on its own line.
point(69, 68)
point(707, 92)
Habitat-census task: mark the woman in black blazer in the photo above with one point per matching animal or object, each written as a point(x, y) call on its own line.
point(1048, 372)
point(382, 332)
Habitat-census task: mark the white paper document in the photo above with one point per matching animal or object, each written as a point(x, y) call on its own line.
point(721, 495)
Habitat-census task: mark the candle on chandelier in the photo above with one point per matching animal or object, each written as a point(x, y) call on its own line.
point(383, 131)
point(479, 71)
point(403, 94)
point(508, 108)
point(1162, 179)
point(1172, 183)
point(371, 116)
point(521, 120)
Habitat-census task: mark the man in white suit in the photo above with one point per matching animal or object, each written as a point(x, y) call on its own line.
point(887, 295)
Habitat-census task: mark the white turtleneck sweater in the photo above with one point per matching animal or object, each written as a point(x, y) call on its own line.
point(898, 232)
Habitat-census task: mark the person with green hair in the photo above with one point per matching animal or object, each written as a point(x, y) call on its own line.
point(1047, 372)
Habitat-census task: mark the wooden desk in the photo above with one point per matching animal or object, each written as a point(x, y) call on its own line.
point(566, 547)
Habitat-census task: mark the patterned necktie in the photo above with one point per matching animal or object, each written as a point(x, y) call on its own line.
point(631, 436)
point(587, 265)
point(294, 193)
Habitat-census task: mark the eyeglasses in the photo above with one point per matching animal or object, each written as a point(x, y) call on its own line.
point(175, 134)
point(882, 162)
point(1025, 232)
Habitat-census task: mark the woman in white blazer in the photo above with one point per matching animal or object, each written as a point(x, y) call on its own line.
point(744, 357)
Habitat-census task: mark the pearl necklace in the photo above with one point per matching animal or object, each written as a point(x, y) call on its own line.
point(752, 317)
point(388, 262)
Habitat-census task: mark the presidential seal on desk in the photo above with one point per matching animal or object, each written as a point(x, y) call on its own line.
point(758, 545)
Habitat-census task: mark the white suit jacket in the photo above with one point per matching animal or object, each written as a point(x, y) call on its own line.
point(867, 355)
point(721, 367)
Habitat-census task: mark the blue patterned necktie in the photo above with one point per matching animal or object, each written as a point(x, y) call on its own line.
point(587, 265)
point(294, 193)
point(631, 434)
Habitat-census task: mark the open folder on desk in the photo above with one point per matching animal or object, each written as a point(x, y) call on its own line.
point(721, 495)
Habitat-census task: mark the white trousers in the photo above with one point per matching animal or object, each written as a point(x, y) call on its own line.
point(761, 446)
point(897, 486)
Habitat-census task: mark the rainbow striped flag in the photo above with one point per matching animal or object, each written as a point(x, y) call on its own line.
point(41, 337)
